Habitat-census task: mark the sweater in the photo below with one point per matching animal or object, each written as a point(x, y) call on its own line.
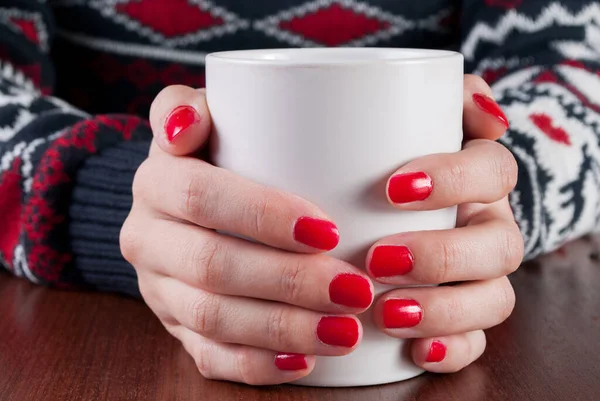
point(77, 78)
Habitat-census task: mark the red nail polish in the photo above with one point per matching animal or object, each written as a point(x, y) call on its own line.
point(180, 119)
point(409, 187)
point(320, 234)
point(290, 361)
point(391, 260)
point(350, 290)
point(488, 105)
point(401, 313)
point(338, 331)
point(437, 352)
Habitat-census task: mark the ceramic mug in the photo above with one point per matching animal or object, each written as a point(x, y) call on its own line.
point(332, 125)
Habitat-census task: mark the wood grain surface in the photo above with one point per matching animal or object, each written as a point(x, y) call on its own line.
point(57, 345)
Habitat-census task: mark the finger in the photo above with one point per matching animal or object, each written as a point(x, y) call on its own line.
point(180, 120)
point(194, 191)
point(446, 310)
point(482, 117)
point(485, 171)
point(448, 354)
point(260, 324)
point(241, 363)
point(231, 266)
point(476, 213)
point(491, 248)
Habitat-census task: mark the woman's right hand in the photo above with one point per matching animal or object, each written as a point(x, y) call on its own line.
point(252, 312)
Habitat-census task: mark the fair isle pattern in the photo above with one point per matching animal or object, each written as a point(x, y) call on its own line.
point(17, 78)
point(554, 136)
point(383, 25)
point(18, 94)
point(135, 50)
point(20, 148)
point(26, 151)
point(554, 14)
point(219, 21)
point(586, 49)
point(29, 24)
point(21, 104)
point(305, 25)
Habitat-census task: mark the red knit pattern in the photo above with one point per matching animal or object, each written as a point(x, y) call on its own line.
point(10, 211)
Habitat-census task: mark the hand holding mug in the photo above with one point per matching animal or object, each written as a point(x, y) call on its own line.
point(246, 312)
point(259, 312)
point(479, 254)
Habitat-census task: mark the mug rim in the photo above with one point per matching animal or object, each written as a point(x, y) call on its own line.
point(332, 56)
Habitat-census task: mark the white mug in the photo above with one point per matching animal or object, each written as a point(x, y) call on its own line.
point(332, 125)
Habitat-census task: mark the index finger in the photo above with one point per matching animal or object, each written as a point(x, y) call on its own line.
point(191, 190)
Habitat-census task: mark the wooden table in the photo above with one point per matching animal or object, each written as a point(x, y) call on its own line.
point(75, 346)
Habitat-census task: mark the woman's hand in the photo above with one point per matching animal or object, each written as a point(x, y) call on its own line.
point(476, 256)
point(245, 311)
point(259, 312)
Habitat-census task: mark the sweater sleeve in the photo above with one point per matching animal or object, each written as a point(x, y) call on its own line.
point(542, 59)
point(65, 175)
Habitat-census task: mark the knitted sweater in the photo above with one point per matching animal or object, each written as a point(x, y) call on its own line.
point(77, 78)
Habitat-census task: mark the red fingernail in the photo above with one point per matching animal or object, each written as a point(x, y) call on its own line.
point(350, 290)
point(488, 105)
point(338, 331)
point(409, 187)
point(290, 361)
point(437, 352)
point(401, 313)
point(179, 120)
point(320, 234)
point(391, 260)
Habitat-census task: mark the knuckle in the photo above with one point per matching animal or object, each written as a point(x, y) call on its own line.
point(190, 198)
point(143, 176)
point(293, 277)
point(512, 248)
point(245, 367)
point(206, 319)
point(458, 178)
point(195, 198)
point(205, 260)
point(506, 168)
point(203, 365)
point(279, 322)
point(256, 213)
point(129, 241)
point(456, 312)
point(203, 362)
point(450, 255)
point(506, 300)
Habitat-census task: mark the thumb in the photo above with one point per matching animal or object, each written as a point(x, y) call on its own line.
point(180, 120)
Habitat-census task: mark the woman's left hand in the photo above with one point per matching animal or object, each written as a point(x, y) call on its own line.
point(448, 320)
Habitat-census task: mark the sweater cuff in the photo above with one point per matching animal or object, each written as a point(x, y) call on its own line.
point(101, 201)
